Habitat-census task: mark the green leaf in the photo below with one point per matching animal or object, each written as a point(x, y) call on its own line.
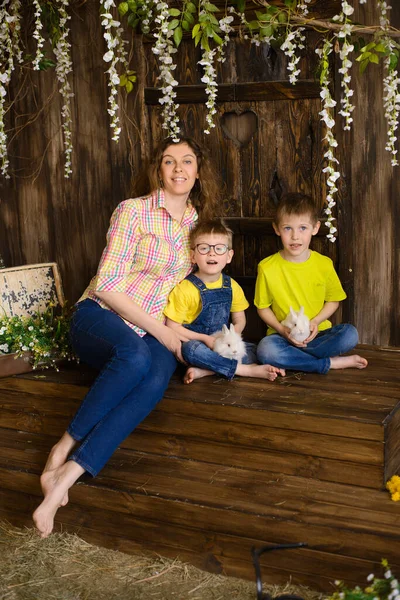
point(267, 31)
point(197, 38)
point(364, 65)
point(241, 5)
point(195, 31)
point(253, 25)
point(129, 87)
point(132, 5)
point(133, 20)
point(123, 8)
point(380, 48)
point(290, 3)
point(188, 17)
point(123, 80)
point(263, 17)
point(190, 7)
point(282, 17)
point(173, 24)
point(204, 42)
point(393, 62)
point(174, 12)
point(363, 56)
point(185, 26)
point(374, 58)
point(217, 39)
point(211, 7)
point(368, 47)
point(178, 36)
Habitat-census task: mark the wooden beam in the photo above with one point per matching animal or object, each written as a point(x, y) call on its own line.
point(241, 92)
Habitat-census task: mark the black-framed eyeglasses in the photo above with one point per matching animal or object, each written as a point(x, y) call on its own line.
point(219, 249)
point(255, 554)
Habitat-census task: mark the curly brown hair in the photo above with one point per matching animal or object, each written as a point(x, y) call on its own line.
point(206, 193)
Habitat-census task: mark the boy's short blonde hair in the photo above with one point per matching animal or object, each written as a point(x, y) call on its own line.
point(296, 204)
point(213, 226)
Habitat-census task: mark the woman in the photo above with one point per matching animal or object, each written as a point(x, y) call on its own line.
point(118, 325)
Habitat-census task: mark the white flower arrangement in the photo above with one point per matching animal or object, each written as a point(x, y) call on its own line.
point(210, 31)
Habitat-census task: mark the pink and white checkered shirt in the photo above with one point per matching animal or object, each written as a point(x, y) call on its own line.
point(146, 255)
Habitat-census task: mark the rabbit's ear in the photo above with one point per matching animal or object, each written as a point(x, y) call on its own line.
point(225, 329)
point(301, 311)
point(232, 328)
point(293, 313)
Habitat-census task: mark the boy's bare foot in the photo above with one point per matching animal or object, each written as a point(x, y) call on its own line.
point(193, 373)
point(57, 482)
point(348, 362)
point(260, 371)
point(57, 457)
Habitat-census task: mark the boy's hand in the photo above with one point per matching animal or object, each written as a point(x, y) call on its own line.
point(313, 332)
point(286, 334)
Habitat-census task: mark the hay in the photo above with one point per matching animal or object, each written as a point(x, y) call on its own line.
point(65, 567)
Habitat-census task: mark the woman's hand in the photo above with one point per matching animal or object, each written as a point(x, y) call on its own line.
point(173, 341)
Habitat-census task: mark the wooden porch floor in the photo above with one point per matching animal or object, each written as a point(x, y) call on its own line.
point(221, 466)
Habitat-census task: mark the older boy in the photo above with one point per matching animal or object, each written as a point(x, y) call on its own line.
point(205, 301)
point(297, 276)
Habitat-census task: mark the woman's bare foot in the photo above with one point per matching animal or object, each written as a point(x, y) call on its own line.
point(260, 371)
point(193, 373)
point(348, 362)
point(57, 457)
point(57, 482)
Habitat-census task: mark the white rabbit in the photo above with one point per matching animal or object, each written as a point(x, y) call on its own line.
point(298, 323)
point(229, 343)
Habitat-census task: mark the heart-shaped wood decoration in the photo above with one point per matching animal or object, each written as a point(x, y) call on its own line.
point(239, 127)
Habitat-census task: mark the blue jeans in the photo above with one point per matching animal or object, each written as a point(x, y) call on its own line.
point(134, 373)
point(199, 355)
point(315, 358)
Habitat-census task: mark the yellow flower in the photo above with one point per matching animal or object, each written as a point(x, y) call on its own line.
point(393, 486)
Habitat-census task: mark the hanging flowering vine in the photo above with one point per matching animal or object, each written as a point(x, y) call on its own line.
point(10, 51)
point(391, 83)
point(327, 116)
point(38, 35)
point(295, 40)
point(346, 49)
point(116, 54)
point(61, 49)
point(164, 49)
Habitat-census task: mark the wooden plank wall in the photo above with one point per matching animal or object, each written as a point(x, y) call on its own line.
point(44, 217)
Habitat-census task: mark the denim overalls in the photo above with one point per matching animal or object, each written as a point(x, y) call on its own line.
point(216, 306)
point(215, 312)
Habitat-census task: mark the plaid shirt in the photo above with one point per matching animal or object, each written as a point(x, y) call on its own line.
point(146, 255)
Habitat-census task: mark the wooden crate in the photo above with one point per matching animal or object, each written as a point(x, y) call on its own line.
point(27, 289)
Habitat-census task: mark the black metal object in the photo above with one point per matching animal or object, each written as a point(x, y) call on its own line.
point(255, 554)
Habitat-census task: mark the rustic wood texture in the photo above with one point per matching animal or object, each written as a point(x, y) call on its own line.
point(267, 141)
point(220, 466)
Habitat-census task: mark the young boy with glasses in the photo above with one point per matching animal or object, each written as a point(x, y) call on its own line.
point(206, 300)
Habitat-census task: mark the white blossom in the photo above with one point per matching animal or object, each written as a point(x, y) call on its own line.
point(391, 87)
point(37, 35)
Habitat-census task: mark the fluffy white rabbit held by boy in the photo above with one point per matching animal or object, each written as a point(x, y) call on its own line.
point(229, 343)
point(298, 323)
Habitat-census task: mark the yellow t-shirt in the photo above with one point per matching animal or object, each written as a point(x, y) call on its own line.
point(281, 284)
point(184, 302)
